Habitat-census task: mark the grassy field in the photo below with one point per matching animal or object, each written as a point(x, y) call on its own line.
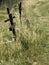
point(32, 43)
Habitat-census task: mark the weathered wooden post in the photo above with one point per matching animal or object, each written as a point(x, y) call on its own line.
point(12, 27)
point(20, 10)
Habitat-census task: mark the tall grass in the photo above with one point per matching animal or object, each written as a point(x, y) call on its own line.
point(32, 44)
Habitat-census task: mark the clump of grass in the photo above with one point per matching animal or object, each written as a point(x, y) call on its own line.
point(24, 42)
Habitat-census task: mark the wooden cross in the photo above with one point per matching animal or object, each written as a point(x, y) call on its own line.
point(12, 27)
